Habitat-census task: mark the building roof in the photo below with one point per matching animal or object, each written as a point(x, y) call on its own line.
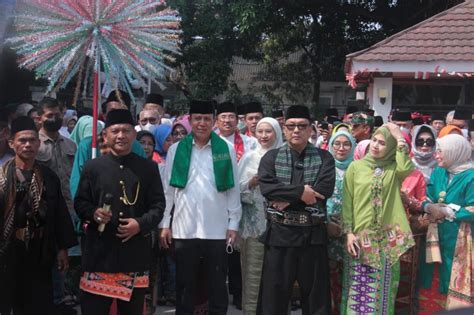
point(243, 69)
point(447, 36)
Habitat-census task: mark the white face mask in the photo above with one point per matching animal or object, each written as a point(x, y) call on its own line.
point(465, 133)
point(405, 130)
point(148, 127)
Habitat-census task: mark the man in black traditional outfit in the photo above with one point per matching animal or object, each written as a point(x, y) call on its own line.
point(296, 179)
point(35, 226)
point(116, 261)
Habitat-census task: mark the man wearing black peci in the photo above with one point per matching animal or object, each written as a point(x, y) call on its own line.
point(296, 179)
point(35, 226)
point(116, 261)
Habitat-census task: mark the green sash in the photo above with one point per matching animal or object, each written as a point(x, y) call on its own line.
point(222, 163)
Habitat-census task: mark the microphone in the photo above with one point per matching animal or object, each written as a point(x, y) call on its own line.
point(107, 202)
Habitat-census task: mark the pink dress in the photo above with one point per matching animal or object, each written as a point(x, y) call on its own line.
point(414, 186)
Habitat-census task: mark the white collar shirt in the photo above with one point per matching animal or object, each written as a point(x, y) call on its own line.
point(200, 211)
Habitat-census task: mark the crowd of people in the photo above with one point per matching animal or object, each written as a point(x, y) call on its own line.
point(345, 215)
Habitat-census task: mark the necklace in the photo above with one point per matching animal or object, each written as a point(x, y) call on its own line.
point(124, 198)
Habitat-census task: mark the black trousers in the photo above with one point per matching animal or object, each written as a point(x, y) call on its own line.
point(93, 304)
point(188, 256)
point(235, 274)
point(282, 266)
point(26, 287)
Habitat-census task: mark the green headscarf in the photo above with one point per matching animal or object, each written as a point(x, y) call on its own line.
point(372, 207)
point(390, 150)
point(83, 128)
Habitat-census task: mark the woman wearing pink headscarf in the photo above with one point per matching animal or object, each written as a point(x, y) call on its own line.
point(361, 149)
point(181, 128)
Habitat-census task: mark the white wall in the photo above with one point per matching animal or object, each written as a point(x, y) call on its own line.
point(374, 100)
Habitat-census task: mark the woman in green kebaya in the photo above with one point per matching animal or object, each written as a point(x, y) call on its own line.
point(375, 224)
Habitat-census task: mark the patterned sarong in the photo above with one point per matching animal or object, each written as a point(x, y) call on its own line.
point(114, 285)
point(367, 290)
point(430, 300)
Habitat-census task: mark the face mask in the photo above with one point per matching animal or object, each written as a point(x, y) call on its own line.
point(148, 127)
point(405, 130)
point(241, 125)
point(52, 125)
point(465, 133)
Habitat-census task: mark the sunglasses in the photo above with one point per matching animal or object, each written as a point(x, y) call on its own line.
point(422, 142)
point(292, 127)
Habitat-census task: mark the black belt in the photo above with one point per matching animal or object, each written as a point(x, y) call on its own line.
point(294, 218)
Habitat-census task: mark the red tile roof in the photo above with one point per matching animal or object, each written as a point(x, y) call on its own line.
point(447, 36)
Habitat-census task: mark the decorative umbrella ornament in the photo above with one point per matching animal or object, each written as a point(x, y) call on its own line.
point(133, 40)
point(126, 40)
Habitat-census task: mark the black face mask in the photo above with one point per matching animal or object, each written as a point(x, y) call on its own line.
point(53, 124)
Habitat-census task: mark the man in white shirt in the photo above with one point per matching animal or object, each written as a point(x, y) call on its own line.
point(227, 128)
point(202, 186)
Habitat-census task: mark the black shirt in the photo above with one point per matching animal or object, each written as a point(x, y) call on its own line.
point(273, 189)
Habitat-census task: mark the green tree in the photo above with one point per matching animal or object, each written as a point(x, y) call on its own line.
point(321, 32)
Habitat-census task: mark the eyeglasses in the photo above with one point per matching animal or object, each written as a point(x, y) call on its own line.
point(345, 145)
point(299, 126)
point(231, 117)
point(152, 120)
point(179, 133)
point(428, 142)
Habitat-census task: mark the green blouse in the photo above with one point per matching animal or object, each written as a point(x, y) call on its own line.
point(459, 191)
point(384, 230)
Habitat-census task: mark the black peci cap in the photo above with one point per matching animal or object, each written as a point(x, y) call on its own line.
point(297, 111)
point(22, 123)
point(201, 107)
point(116, 95)
point(226, 107)
point(119, 116)
point(401, 116)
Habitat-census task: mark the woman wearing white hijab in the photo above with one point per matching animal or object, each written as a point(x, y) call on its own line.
point(447, 276)
point(253, 221)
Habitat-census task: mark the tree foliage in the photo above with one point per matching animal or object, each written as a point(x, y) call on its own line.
point(322, 32)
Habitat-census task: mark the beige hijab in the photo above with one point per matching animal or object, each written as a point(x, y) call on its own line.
point(456, 153)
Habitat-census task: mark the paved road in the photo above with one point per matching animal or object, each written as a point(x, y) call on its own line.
point(231, 311)
point(163, 310)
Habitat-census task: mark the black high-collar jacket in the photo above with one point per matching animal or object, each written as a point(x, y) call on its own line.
point(105, 252)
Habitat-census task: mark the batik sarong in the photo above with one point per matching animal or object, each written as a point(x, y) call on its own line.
point(367, 290)
point(114, 285)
